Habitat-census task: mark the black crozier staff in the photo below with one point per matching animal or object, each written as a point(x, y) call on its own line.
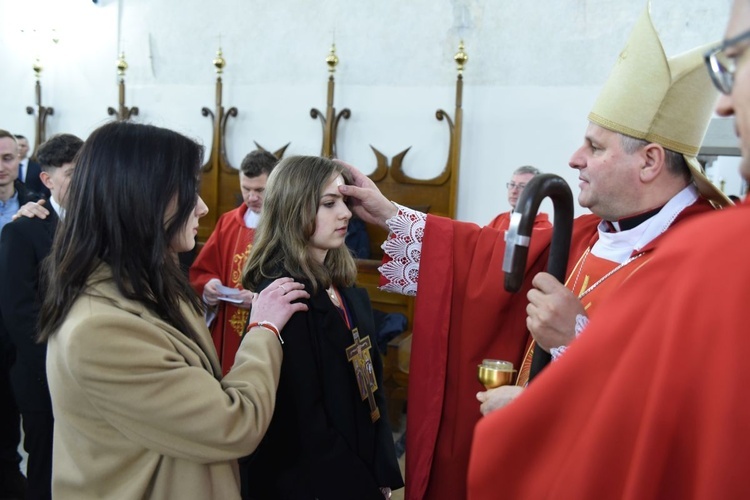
point(518, 237)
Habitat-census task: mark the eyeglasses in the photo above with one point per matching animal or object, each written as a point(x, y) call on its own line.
point(513, 185)
point(721, 66)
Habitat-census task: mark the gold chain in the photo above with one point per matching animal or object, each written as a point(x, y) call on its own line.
point(613, 271)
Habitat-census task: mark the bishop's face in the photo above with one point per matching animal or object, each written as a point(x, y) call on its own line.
point(609, 177)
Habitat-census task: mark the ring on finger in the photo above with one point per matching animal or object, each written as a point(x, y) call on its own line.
point(282, 287)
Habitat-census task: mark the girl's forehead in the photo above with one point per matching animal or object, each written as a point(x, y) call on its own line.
point(333, 184)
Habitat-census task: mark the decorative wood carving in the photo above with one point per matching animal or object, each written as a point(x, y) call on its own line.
point(437, 195)
point(330, 121)
point(40, 125)
point(122, 113)
point(279, 153)
point(220, 184)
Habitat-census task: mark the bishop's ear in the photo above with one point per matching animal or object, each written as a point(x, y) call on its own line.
point(654, 161)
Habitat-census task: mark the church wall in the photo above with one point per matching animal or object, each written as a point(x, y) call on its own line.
point(534, 70)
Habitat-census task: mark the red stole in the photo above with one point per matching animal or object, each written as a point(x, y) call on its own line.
point(228, 329)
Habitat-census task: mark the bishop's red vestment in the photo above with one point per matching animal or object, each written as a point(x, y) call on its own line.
point(463, 315)
point(649, 402)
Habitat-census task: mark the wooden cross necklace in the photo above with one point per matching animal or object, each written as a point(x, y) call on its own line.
point(359, 355)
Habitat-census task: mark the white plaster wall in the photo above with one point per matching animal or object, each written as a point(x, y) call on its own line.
point(534, 71)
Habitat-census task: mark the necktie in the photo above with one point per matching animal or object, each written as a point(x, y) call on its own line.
point(21, 175)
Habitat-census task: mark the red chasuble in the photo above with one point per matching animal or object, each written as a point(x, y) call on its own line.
point(650, 402)
point(223, 256)
point(502, 222)
point(463, 315)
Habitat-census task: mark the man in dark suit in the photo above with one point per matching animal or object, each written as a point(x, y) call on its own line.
point(28, 169)
point(13, 194)
point(24, 243)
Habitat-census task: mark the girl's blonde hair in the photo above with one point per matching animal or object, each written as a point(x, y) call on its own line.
point(287, 224)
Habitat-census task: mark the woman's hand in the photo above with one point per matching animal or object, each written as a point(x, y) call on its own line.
point(276, 303)
point(32, 209)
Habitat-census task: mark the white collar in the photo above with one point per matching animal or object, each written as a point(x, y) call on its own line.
point(619, 246)
point(58, 208)
point(251, 219)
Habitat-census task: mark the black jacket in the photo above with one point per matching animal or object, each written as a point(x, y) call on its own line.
point(24, 244)
point(7, 351)
point(32, 180)
point(321, 442)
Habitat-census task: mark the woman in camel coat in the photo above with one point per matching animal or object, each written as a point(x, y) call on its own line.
point(141, 409)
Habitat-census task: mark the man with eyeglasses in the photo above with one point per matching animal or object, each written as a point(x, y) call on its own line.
point(639, 177)
point(727, 65)
point(521, 177)
point(650, 401)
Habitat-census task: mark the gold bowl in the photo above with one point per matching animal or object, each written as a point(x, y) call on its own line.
point(494, 373)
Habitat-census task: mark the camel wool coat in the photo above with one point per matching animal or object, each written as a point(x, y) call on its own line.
point(141, 410)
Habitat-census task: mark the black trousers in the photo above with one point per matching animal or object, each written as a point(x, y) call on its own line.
point(10, 420)
point(38, 429)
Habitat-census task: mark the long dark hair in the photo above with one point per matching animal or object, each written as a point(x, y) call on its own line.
point(125, 177)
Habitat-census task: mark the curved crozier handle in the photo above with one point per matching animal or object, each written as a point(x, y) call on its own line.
point(518, 238)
